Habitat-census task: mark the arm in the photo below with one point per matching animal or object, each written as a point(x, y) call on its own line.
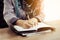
point(11, 18)
point(8, 13)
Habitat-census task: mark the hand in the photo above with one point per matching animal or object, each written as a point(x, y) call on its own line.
point(27, 23)
point(23, 23)
point(33, 21)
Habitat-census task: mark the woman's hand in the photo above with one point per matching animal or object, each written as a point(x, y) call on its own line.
point(27, 23)
point(23, 23)
point(33, 21)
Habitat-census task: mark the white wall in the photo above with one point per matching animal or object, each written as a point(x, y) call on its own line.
point(51, 9)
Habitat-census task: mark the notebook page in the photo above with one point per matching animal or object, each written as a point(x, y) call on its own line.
point(40, 25)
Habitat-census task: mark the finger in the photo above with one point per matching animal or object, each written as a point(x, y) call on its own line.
point(31, 23)
point(36, 23)
point(28, 25)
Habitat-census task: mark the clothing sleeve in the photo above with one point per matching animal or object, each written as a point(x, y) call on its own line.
point(8, 13)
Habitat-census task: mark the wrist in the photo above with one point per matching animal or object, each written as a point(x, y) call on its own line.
point(18, 22)
point(13, 20)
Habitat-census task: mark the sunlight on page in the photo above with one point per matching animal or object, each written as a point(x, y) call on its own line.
point(40, 25)
point(51, 9)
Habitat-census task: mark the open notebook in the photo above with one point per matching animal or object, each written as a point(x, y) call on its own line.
point(41, 27)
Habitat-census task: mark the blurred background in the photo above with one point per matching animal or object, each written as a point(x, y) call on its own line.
point(51, 9)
